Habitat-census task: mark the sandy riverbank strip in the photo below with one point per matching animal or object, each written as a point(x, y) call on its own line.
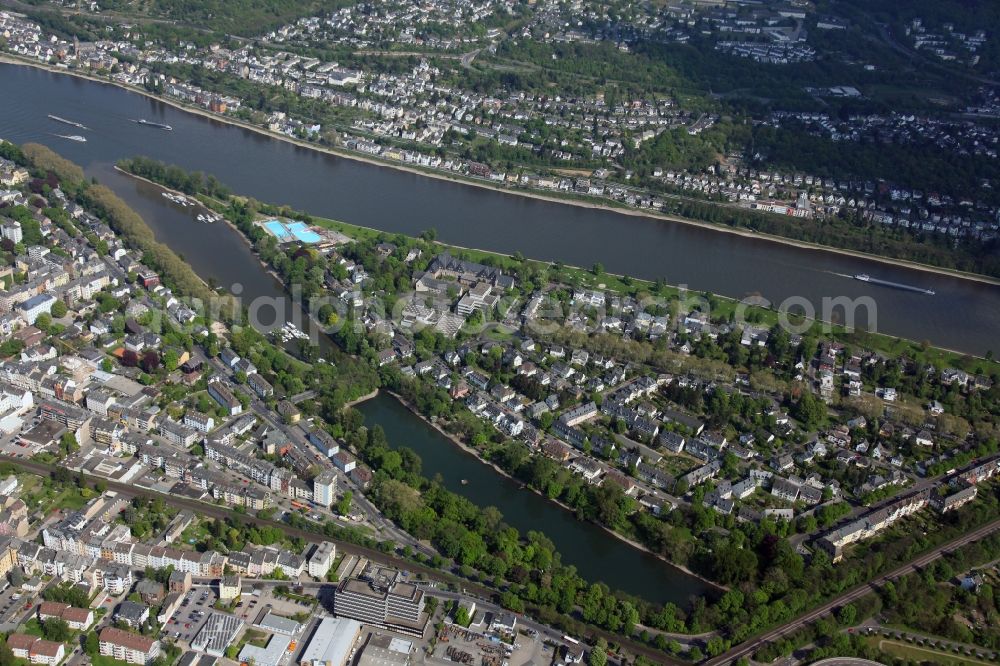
point(430, 173)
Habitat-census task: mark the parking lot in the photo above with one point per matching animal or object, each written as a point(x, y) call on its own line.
point(10, 444)
point(12, 607)
point(190, 616)
point(266, 598)
point(248, 608)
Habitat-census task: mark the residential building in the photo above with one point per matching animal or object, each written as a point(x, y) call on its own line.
point(321, 559)
point(325, 488)
point(128, 647)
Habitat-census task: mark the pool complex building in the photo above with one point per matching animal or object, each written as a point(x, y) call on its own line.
point(289, 231)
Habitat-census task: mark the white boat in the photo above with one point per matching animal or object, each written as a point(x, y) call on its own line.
point(150, 123)
point(864, 277)
point(177, 198)
point(292, 331)
point(68, 122)
point(73, 137)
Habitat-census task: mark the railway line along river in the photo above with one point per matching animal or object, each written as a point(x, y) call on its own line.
point(219, 255)
point(963, 315)
point(596, 554)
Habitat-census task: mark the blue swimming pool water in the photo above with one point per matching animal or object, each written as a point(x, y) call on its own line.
point(277, 229)
point(303, 233)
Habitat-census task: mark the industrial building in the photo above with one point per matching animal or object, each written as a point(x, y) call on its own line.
point(331, 642)
point(383, 650)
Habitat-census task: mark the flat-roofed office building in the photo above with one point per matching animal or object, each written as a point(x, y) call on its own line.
point(378, 597)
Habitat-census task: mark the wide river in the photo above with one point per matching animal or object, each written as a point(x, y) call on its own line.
point(219, 255)
point(963, 315)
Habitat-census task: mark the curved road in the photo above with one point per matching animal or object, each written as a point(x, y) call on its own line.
point(747, 648)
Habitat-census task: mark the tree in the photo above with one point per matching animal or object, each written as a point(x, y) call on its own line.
point(68, 442)
point(59, 309)
point(462, 616)
point(170, 360)
point(130, 359)
point(150, 361)
point(92, 644)
point(56, 629)
point(847, 615)
point(11, 348)
point(7, 657)
point(344, 504)
point(598, 657)
point(810, 410)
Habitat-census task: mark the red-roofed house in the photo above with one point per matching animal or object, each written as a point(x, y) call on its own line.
point(126, 646)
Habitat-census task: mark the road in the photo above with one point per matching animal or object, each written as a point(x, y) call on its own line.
point(467, 58)
point(305, 395)
point(747, 648)
point(304, 455)
point(469, 589)
point(918, 59)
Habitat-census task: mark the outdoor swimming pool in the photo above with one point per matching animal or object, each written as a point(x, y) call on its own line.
point(302, 232)
point(285, 231)
point(277, 229)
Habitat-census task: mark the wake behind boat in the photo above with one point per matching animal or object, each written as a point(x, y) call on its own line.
point(150, 123)
point(73, 137)
point(68, 122)
point(864, 277)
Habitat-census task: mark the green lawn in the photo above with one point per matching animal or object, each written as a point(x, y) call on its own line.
point(256, 638)
point(352, 230)
point(72, 498)
point(918, 654)
point(195, 533)
point(32, 627)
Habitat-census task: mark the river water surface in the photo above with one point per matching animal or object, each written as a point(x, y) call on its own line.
point(964, 315)
point(597, 555)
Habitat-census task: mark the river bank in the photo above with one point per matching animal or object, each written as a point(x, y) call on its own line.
point(296, 319)
point(456, 179)
point(879, 341)
point(364, 398)
point(457, 441)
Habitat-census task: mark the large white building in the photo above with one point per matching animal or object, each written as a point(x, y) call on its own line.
point(35, 306)
point(322, 559)
point(331, 643)
point(325, 488)
point(12, 231)
point(378, 597)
